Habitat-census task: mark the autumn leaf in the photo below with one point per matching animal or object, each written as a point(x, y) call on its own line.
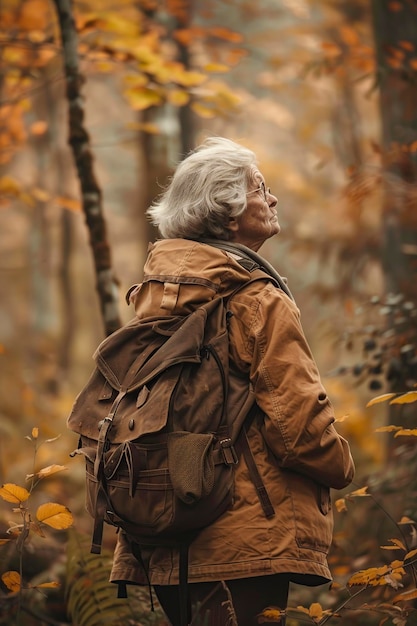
point(406, 520)
point(270, 614)
point(359, 493)
point(410, 555)
point(68, 203)
point(47, 471)
point(216, 67)
point(55, 515)
point(340, 505)
point(405, 596)
point(406, 432)
point(50, 585)
point(226, 34)
point(178, 97)
point(202, 110)
point(12, 581)
point(378, 399)
point(14, 493)
point(146, 127)
point(405, 398)
point(39, 128)
point(397, 545)
point(143, 98)
point(387, 429)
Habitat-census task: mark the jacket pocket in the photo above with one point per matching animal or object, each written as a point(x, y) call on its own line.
point(313, 516)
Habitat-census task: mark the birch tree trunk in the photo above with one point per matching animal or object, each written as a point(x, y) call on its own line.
point(90, 191)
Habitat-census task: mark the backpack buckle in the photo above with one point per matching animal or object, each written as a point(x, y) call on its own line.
point(229, 453)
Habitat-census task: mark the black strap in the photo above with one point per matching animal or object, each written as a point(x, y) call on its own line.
point(184, 599)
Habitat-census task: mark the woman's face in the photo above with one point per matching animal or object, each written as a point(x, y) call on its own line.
point(259, 221)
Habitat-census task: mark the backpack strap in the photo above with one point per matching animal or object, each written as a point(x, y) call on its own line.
point(243, 449)
point(250, 260)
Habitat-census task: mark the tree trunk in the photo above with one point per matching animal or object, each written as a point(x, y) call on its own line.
point(395, 33)
point(91, 194)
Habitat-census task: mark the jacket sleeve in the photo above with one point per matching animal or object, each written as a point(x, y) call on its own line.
point(267, 341)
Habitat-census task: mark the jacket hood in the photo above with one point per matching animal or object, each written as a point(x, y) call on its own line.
point(181, 274)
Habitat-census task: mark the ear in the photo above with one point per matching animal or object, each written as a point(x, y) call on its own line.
point(233, 224)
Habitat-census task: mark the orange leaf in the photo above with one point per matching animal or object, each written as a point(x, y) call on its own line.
point(340, 505)
point(395, 7)
point(226, 34)
point(405, 596)
point(12, 581)
point(14, 493)
point(39, 128)
point(406, 45)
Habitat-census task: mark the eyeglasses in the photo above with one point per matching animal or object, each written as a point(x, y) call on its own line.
point(263, 189)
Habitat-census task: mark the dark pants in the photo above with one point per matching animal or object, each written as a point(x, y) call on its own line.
point(231, 603)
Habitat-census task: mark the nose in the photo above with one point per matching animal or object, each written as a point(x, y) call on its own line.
point(272, 200)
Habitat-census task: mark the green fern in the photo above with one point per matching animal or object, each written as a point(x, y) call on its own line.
point(91, 598)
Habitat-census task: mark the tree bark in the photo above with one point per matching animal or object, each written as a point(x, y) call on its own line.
point(395, 34)
point(79, 141)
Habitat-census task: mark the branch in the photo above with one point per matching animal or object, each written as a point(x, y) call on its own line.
point(79, 141)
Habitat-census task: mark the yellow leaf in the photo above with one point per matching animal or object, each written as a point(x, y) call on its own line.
point(35, 432)
point(270, 614)
point(185, 78)
point(14, 493)
point(47, 471)
point(340, 505)
point(216, 67)
point(410, 554)
point(315, 610)
point(398, 543)
point(378, 399)
point(406, 520)
point(202, 110)
point(387, 429)
point(143, 98)
point(12, 580)
point(405, 398)
point(68, 203)
point(359, 493)
point(406, 432)
point(55, 515)
point(146, 127)
point(51, 585)
point(178, 97)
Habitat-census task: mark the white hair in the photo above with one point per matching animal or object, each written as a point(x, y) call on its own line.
point(207, 189)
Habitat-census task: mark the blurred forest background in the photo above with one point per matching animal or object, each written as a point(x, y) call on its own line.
point(99, 99)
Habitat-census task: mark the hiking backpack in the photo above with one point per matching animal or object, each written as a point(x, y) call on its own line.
point(162, 423)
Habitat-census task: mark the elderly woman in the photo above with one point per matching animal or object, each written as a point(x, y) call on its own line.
point(214, 216)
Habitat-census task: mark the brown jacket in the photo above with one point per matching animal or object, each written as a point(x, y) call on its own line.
point(298, 452)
